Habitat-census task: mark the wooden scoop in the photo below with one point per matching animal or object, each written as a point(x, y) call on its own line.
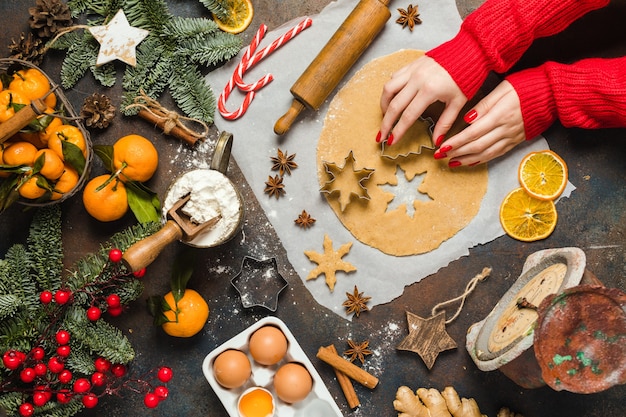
point(178, 227)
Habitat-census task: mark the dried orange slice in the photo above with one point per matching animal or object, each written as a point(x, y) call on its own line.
point(527, 218)
point(543, 174)
point(240, 14)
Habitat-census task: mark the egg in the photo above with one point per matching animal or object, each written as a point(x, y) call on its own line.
point(292, 382)
point(268, 345)
point(256, 402)
point(232, 368)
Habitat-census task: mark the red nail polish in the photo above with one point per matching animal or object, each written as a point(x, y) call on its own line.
point(470, 116)
point(439, 140)
point(390, 139)
point(378, 137)
point(439, 155)
point(453, 164)
point(474, 163)
point(445, 149)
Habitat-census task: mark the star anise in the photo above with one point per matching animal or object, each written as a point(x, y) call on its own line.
point(304, 220)
point(358, 350)
point(283, 162)
point(409, 17)
point(356, 302)
point(274, 186)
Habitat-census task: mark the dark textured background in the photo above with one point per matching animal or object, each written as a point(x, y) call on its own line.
point(592, 218)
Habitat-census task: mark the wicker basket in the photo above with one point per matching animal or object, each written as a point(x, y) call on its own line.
point(12, 65)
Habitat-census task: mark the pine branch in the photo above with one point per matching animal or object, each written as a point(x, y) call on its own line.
point(180, 28)
point(9, 303)
point(81, 55)
point(212, 51)
point(147, 14)
point(46, 246)
point(217, 7)
point(105, 74)
point(193, 95)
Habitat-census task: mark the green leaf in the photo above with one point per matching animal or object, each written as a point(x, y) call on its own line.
point(73, 156)
point(105, 153)
point(156, 307)
point(181, 272)
point(141, 201)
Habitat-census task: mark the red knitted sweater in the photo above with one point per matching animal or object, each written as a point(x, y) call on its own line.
point(590, 93)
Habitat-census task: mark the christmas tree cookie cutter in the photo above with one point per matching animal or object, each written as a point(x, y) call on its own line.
point(259, 283)
point(417, 138)
point(346, 183)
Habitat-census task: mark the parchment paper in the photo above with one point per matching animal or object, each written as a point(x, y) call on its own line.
point(378, 275)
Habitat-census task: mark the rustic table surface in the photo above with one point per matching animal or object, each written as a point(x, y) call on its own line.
point(593, 219)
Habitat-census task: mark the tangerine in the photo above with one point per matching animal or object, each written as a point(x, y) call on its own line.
point(66, 183)
point(19, 153)
point(55, 123)
point(135, 157)
point(30, 189)
point(53, 166)
point(187, 316)
point(105, 202)
point(70, 134)
point(31, 83)
point(8, 100)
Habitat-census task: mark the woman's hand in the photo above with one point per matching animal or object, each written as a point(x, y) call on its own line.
point(410, 91)
point(496, 126)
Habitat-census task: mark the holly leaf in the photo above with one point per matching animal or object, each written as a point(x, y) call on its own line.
point(143, 202)
point(181, 272)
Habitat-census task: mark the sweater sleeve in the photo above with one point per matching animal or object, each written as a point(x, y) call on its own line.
point(589, 94)
point(496, 35)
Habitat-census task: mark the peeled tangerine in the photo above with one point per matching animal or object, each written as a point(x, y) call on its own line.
point(292, 382)
point(232, 368)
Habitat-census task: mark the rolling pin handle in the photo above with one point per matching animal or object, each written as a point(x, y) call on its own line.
point(143, 253)
point(22, 118)
point(284, 123)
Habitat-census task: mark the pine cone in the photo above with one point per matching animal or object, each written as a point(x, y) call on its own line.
point(98, 111)
point(48, 16)
point(27, 48)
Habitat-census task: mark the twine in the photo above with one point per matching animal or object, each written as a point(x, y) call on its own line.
point(468, 290)
point(170, 118)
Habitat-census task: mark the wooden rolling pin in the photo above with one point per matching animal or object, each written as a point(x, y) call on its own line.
point(337, 57)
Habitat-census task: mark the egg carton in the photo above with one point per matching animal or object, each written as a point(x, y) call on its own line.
point(318, 402)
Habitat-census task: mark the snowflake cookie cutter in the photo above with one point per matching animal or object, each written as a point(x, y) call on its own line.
point(423, 132)
point(259, 283)
point(340, 176)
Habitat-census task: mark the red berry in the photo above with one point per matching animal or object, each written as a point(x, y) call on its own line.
point(27, 410)
point(62, 337)
point(82, 385)
point(12, 359)
point(140, 273)
point(90, 400)
point(64, 351)
point(40, 369)
point(44, 390)
point(64, 396)
point(40, 399)
point(102, 365)
point(65, 376)
point(98, 379)
point(113, 300)
point(38, 353)
point(151, 400)
point(115, 311)
point(55, 365)
point(61, 297)
point(115, 255)
point(45, 297)
point(118, 370)
point(28, 375)
point(161, 391)
point(165, 374)
point(94, 313)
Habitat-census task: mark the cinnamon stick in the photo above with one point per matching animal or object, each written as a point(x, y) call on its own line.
point(176, 131)
point(351, 370)
point(346, 384)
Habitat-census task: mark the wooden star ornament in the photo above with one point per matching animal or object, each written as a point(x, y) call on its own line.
point(118, 40)
point(427, 337)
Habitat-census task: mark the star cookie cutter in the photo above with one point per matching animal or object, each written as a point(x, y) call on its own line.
point(340, 176)
point(422, 131)
point(259, 283)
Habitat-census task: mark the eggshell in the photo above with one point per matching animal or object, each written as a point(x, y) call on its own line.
point(268, 345)
point(292, 382)
point(232, 368)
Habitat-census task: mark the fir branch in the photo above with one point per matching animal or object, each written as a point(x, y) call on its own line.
point(147, 14)
point(9, 303)
point(217, 7)
point(193, 95)
point(80, 57)
point(221, 47)
point(46, 246)
point(105, 74)
point(180, 28)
